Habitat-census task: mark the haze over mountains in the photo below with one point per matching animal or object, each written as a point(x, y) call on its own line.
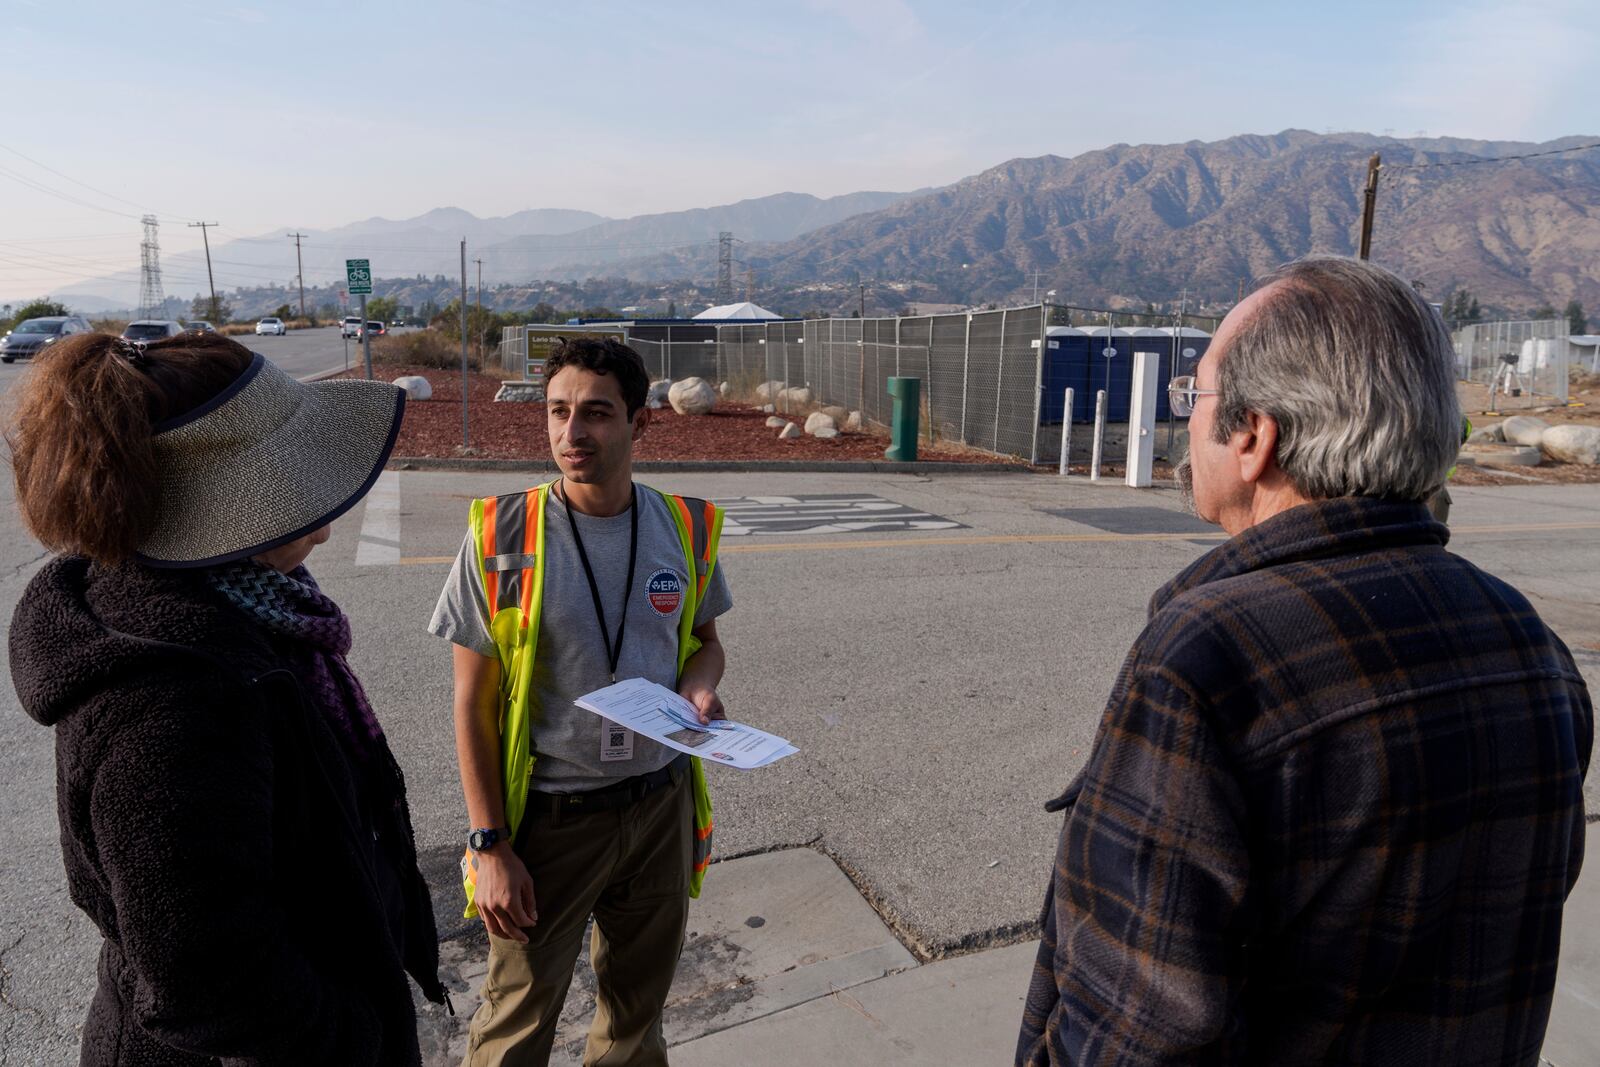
point(1124, 224)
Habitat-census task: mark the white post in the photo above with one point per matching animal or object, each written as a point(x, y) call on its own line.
point(1099, 434)
point(1142, 419)
point(1066, 431)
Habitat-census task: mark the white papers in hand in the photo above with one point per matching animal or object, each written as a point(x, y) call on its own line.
point(662, 715)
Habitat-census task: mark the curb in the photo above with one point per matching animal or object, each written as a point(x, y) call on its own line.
point(712, 466)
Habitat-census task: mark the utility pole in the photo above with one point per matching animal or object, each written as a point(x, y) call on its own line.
point(465, 439)
point(749, 281)
point(300, 271)
point(1035, 286)
point(1369, 202)
point(861, 308)
point(209, 279)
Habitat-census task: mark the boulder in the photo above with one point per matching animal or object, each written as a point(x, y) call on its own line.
point(775, 422)
point(656, 398)
point(518, 391)
point(416, 387)
point(1505, 456)
point(798, 396)
point(789, 432)
point(853, 422)
point(692, 396)
point(768, 391)
point(825, 433)
point(836, 413)
point(1523, 430)
point(768, 408)
point(818, 420)
point(724, 390)
point(1572, 444)
point(1490, 434)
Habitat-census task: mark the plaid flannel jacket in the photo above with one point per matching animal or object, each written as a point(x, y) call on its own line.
point(1331, 815)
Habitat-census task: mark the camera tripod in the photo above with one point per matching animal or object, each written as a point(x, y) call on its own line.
point(1506, 382)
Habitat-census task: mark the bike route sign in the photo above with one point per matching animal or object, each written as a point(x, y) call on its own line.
point(358, 275)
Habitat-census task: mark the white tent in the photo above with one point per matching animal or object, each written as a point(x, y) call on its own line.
point(745, 310)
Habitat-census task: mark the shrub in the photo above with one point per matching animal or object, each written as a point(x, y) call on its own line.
point(421, 348)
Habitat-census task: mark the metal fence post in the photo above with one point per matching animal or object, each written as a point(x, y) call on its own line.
point(1038, 383)
point(1066, 431)
point(966, 364)
point(1099, 434)
point(1000, 377)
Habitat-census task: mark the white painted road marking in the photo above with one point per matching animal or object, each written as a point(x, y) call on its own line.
point(844, 513)
point(380, 527)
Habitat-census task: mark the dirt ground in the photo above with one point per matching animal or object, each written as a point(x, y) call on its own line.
point(1582, 408)
point(432, 428)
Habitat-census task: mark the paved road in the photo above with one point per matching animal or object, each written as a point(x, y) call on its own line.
point(302, 353)
point(941, 683)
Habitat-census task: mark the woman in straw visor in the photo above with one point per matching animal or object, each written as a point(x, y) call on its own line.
point(231, 816)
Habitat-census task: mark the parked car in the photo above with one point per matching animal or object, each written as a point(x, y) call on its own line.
point(351, 326)
point(376, 328)
point(271, 325)
point(153, 329)
point(31, 336)
point(201, 326)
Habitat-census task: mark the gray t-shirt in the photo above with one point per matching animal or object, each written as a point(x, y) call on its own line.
point(575, 747)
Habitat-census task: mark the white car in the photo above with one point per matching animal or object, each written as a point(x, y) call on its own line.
point(351, 327)
point(271, 325)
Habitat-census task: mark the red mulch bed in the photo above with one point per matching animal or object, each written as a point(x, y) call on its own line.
point(432, 428)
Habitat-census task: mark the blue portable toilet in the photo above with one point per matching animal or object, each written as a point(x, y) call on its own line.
point(1066, 365)
point(1182, 348)
point(1113, 373)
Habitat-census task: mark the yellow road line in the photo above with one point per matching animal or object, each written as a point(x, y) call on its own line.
point(1039, 539)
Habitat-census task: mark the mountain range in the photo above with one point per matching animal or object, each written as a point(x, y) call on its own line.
point(1122, 225)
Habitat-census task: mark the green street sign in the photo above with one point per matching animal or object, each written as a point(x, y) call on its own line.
point(358, 275)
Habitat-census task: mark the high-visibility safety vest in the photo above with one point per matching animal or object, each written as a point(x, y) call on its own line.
point(511, 557)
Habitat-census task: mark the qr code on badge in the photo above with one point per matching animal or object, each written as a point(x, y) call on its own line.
point(618, 737)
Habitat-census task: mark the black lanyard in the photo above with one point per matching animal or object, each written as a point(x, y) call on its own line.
point(613, 652)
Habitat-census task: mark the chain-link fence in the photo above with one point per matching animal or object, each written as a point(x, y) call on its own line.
point(1521, 363)
point(992, 380)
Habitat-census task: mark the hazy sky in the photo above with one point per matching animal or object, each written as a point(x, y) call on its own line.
point(314, 115)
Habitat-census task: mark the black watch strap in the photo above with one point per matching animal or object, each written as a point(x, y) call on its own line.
point(487, 837)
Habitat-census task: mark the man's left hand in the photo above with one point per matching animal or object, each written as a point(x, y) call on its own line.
point(705, 701)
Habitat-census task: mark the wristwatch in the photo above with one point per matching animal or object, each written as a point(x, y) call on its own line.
point(478, 840)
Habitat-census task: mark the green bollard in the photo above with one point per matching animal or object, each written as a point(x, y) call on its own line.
point(903, 431)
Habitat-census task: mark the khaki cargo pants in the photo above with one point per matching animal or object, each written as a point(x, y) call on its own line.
point(629, 869)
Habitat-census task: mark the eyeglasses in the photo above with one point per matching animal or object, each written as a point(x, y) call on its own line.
point(1182, 394)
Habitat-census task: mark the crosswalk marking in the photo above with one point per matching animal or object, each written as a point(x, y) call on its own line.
point(837, 514)
point(380, 526)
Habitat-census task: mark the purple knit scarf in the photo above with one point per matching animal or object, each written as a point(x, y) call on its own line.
point(292, 607)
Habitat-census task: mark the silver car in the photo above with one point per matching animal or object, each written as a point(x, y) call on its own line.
point(271, 325)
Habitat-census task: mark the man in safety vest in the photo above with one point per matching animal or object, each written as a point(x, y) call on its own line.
point(558, 591)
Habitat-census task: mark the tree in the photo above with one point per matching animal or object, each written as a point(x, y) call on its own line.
point(284, 311)
point(38, 309)
point(1577, 321)
point(382, 308)
point(672, 309)
point(201, 307)
point(542, 312)
point(1543, 311)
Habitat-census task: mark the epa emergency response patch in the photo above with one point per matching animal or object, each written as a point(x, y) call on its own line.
point(665, 592)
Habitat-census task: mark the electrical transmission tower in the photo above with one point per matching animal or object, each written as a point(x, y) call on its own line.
point(152, 298)
point(724, 267)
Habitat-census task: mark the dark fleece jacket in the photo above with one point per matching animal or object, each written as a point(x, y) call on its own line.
point(210, 828)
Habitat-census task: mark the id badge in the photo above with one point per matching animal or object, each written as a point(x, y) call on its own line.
point(616, 743)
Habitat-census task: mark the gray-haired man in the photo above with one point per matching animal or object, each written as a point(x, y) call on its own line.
point(1335, 804)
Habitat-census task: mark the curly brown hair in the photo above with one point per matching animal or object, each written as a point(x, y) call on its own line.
point(81, 439)
point(604, 355)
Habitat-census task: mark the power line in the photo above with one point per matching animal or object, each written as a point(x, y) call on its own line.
point(86, 185)
point(1490, 159)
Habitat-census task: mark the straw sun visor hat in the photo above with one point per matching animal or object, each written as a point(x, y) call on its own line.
point(266, 461)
